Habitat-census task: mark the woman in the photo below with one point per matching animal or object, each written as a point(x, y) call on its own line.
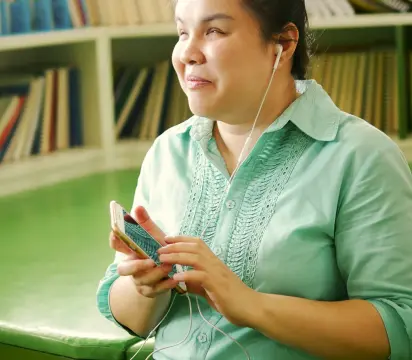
point(308, 254)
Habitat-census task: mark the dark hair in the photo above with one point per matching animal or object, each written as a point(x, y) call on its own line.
point(273, 17)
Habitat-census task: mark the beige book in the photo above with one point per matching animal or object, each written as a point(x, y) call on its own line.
point(336, 90)
point(131, 100)
point(63, 113)
point(35, 119)
point(370, 87)
point(360, 86)
point(132, 12)
point(379, 95)
point(165, 9)
point(47, 112)
point(163, 73)
point(14, 150)
point(148, 11)
point(75, 14)
point(328, 72)
point(93, 12)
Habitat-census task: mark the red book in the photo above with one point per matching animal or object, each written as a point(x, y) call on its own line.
point(12, 121)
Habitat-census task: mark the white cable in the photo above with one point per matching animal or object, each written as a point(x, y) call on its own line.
point(157, 326)
point(240, 161)
point(221, 331)
point(187, 335)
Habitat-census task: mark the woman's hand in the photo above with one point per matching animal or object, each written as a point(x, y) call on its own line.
point(223, 289)
point(150, 280)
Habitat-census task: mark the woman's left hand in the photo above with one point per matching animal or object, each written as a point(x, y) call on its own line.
point(223, 289)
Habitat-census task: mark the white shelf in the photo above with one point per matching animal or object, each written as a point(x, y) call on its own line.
point(53, 38)
point(38, 171)
point(130, 153)
point(14, 42)
point(136, 31)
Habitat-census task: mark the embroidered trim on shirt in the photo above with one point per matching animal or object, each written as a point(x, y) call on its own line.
point(270, 176)
point(271, 172)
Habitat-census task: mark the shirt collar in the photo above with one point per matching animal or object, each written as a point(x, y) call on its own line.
point(313, 112)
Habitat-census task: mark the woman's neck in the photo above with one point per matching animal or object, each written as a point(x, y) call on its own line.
point(230, 138)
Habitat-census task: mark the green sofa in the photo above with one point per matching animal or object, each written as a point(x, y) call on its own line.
point(53, 251)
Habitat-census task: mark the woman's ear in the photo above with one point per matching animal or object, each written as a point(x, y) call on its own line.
point(288, 38)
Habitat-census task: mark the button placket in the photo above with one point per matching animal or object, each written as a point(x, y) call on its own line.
point(230, 204)
point(202, 338)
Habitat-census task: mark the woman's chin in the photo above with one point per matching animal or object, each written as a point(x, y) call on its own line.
point(202, 109)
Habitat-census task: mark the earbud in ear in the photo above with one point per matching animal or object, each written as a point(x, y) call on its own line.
point(279, 50)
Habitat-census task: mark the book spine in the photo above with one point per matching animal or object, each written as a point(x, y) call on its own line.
point(43, 17)
point(61, 14)
point(20, 17)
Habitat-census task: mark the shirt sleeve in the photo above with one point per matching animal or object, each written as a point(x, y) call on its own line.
point(374, 240)
point(141, 197)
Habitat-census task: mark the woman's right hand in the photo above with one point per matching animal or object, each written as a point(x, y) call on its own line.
point(149, 279)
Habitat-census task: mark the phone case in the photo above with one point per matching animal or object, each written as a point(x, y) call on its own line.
point(137, 238)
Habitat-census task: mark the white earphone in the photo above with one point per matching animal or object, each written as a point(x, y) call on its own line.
point(279, 51)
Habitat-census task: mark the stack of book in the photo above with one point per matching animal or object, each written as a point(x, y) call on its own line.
point(361, 83)
point(327, 8)
point(26, 16)
point(148, 101)
point(40, 112)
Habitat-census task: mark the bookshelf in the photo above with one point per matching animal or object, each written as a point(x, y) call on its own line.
point(94, 50)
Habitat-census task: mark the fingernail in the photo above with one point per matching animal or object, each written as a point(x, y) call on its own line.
point(166, 267)
point(178, 277)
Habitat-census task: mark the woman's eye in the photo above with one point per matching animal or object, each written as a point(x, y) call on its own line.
point(182, 34)
point(214, 31)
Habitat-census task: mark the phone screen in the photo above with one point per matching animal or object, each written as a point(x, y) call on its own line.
point(137, 234)
point(141, 237)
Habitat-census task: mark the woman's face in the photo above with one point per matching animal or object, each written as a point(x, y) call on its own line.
point(220, 59)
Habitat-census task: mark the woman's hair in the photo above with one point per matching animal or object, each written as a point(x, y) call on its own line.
point(274, 16)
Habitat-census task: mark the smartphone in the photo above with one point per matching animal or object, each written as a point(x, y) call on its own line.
point(137, 238)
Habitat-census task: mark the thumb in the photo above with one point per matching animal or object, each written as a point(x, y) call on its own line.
point(144, 220)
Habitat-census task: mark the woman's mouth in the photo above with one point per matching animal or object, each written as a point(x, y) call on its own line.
point(196, 82)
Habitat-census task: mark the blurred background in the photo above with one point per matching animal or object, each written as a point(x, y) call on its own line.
point(85, 88)
point(87, 85)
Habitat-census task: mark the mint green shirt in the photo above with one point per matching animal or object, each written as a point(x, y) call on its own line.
point(321, 209)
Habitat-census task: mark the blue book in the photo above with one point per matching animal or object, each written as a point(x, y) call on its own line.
point(20, 17)
point(76, 132)
point(5, 17)
point(14, 89)
point(43, 15)
point(61, 14)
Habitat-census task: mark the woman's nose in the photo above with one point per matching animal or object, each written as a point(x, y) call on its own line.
point(191, 54)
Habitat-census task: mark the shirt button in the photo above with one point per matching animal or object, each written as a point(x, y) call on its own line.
point(230, 204)
point(202, 338)
point(218, 251)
